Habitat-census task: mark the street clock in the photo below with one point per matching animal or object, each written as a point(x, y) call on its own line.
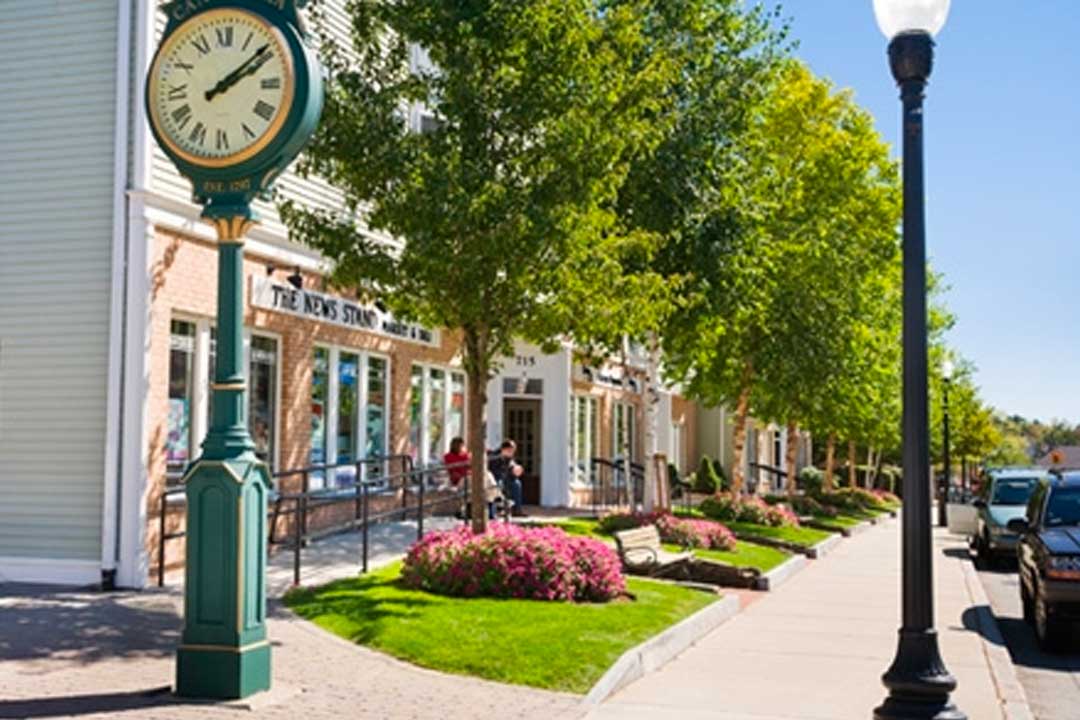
point(233, 94)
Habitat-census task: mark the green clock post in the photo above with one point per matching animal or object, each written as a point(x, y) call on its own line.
point(233, 94)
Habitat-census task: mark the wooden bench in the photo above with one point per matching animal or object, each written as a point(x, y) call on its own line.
point(642, 553)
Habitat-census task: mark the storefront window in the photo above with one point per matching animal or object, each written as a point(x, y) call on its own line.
point(436, 415)
point(262, 398)
point(625, 429)
point(347, 402)
point(456, 426)
point(375, 422)
point(583, 420)
point(320, 382)
point(416, 412)
point(178, 440)
point(436, 412)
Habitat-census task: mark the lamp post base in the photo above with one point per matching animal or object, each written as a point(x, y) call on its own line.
point(918, 683)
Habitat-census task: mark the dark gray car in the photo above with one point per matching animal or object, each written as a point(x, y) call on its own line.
point(1049, 556)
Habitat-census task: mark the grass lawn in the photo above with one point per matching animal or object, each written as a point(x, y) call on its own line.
point(745, 554)
point(553, 645)
point(840, 522)
point(800, 535)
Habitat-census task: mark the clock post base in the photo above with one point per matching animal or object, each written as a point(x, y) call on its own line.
point(222, 673)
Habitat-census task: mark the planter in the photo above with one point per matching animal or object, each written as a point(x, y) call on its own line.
point(661, 649)
point(781, 573)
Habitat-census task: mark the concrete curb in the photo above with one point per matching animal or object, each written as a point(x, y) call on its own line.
point(661, 649)
point(781, 573)
point(1014, 703)
point(823, 548)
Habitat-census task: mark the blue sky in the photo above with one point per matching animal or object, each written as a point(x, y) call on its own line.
point(1003, 178)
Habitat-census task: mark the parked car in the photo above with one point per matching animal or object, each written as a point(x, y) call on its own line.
point(1049, 555)
point(1003, 496)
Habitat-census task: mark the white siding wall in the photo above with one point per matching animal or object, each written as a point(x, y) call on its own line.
point(56, 198)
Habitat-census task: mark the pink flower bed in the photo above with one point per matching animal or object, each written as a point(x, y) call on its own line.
point(514, 562)
point(707, 534)
point(886, 496)
point(748, 509)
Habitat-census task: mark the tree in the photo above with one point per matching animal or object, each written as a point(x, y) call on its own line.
point(505, 203)
point(721, 53)
point(781, 264)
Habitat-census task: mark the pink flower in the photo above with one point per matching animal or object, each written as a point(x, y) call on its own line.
point(512, 561)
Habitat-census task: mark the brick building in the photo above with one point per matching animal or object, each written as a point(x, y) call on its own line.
point(107, 337)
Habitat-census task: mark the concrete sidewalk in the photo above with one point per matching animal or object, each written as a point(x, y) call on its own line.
point(816, 649)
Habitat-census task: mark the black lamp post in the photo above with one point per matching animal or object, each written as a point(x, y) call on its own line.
point(946, 480)
point(918, 682)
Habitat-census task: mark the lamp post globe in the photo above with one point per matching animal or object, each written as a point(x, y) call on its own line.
point(918, 682)
point(899, 16)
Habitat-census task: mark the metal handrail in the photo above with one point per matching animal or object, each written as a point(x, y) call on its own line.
point(628, 482)
point(413, 481)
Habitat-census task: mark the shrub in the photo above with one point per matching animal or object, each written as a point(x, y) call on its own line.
point(705, 480)
point(752, 509)
point(509, 561)
point(886, 497)
point(811, 480)
point(616, 521)
point(723, 507)
point(853, 500)
point(802, 505)
point(722, 482)
point(687, 532)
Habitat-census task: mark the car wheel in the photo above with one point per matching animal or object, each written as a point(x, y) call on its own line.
point(983, 556)
point(1027, 603)
point(1049, 631)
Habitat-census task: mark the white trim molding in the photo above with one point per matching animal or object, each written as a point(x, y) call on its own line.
point(49, 571)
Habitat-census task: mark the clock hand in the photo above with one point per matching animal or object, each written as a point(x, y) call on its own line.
point(248, 67)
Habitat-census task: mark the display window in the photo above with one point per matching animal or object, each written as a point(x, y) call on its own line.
point(584, 422)
point(178, 433)
point(192, 365)
point(353, 401)
point(436, 412)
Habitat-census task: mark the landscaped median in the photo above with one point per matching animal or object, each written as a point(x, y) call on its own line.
point(560, 644)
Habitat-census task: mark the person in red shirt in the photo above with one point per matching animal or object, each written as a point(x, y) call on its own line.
point(457, 461)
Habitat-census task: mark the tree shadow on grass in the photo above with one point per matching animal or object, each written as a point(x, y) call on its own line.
point(365, 603)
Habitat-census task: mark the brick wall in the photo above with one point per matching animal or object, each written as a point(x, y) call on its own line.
point(184, 283)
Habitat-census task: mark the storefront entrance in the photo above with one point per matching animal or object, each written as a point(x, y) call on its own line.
point(521, 422)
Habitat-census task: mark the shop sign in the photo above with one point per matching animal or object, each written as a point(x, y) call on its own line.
point(319, 307)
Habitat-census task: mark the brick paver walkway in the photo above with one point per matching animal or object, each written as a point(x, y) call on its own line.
point(93, 655)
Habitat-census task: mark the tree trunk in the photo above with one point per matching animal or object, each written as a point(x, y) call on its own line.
point(852, 482)
point(742, 408)
point(651, 395)
point(791, 456)
point(477, 368)
point(869, 464)
point(830, 462)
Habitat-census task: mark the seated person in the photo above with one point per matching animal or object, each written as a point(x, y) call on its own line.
point(457, 462)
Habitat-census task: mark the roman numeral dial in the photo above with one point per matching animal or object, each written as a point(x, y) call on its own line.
point(221, 87)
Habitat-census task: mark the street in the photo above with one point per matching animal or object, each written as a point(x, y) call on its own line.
point(1051, 682)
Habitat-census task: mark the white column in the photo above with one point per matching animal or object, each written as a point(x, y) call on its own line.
point(200, 386)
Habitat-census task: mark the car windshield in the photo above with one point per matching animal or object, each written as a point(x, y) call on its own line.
point(1012, 491)
point(1063, 508)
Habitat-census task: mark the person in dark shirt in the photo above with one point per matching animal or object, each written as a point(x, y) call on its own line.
point(508, 474)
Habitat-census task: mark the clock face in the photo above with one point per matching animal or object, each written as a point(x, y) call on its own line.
point(221, 87)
